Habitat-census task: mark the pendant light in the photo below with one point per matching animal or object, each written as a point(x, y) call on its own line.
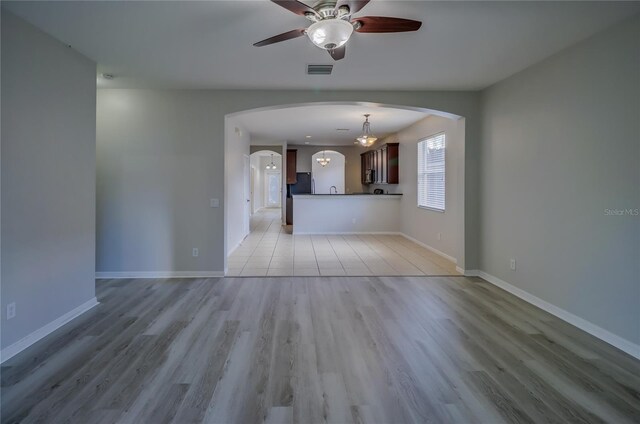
point(323, 161)
point(366, 139)
point(271, 165)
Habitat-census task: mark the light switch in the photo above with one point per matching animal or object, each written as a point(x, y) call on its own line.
point(215, 203)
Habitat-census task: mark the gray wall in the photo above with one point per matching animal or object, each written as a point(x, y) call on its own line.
point(48, 178)
point(161, 157)
point(236, 192)
point(561, 145)
point(423, 224)
point(160, 160)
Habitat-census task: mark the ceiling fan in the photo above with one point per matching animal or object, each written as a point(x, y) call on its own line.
point(333, 24)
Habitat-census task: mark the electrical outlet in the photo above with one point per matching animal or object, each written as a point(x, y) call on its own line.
point(214, 203)
point(353, 220)
point(195, 252)
point(439, 236)
point(11, 310)
point(513, 264)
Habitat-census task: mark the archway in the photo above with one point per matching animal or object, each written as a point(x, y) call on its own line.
point(328, 170)
point(265, 180)
point(456, 137)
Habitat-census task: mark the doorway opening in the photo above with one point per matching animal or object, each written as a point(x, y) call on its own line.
point(262, 214)
point(328, 172)
point(353, 235)
point(265, 181)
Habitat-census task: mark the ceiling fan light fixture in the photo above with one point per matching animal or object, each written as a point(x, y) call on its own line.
point(333, 24)
point(330, 34)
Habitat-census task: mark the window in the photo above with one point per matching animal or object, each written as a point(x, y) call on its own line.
point(431, 172)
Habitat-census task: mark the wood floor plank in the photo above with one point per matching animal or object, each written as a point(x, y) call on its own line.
point(101, 356)
point(200, 393)
point(307, 389)
point(510, 410)
point(318, 349)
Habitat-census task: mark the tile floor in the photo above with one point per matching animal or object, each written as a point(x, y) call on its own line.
point(270, 250)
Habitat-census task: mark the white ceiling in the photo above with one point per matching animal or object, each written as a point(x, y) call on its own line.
point(322, 121)
point(461, 45)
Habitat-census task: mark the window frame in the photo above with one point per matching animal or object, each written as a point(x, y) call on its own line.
point(418, 176)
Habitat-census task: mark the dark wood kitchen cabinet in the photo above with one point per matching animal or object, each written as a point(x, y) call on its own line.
point(292, 156)
point(380, 166)
point(365, 166)
point(392, 159)
point(289, 211)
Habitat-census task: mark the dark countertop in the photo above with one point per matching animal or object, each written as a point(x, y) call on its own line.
point(348, 194)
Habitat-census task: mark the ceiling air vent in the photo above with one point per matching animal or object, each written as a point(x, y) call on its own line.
point(319, 69)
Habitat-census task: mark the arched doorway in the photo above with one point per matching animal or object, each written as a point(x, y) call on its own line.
point(265, 180)
point(419, 226)
point(328, 170)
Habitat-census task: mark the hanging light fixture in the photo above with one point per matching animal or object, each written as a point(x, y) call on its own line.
point(366, 139)
point(323, 161)
point(330, 34)
point(271, 165)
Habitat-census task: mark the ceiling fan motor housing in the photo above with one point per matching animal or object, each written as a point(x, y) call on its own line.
point(323, 6)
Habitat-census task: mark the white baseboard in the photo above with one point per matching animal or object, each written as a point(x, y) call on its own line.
point(596, 331)
point(233, 249)
point(433, 249)
point(468, 272)
point(159, 274)
point(12, 350)
point(345, 233)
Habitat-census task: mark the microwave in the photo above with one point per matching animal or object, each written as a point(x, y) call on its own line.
point(368, 176)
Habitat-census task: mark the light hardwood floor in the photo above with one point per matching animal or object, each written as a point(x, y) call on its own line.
point(269, 250)
point(318, 349)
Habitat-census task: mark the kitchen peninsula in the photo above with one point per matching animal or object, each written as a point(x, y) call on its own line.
point(346, 213)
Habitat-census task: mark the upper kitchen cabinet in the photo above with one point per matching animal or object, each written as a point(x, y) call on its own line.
point(291, 166)
point(391, 160)
point(380, 166)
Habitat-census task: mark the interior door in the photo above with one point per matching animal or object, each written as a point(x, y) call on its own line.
point(252, 189)
point(247, 194)
point(272, 189)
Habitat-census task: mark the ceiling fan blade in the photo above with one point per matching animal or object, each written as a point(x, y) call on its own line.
point(354, 5)
point(338, 53)
point(295, 7)
point(385, 24)
point(294, 33)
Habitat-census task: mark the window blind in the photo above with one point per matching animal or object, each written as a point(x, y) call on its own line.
point(431, 172)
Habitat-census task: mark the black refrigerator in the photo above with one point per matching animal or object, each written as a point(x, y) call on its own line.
point(302, 186)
